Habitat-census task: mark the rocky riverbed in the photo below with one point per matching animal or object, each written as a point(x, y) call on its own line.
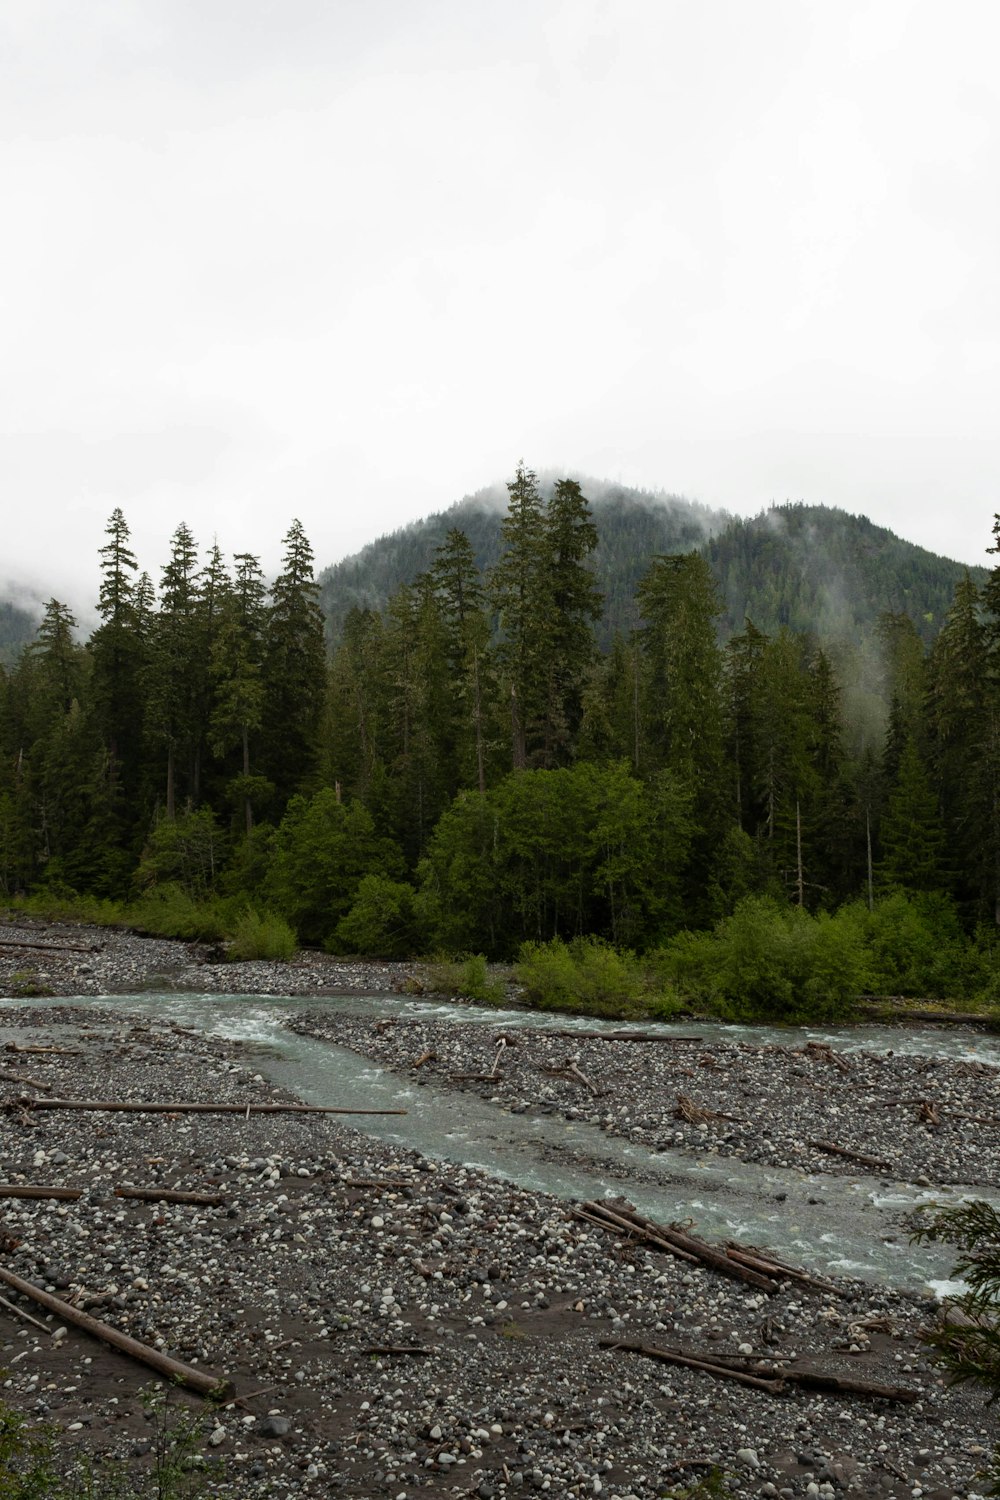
point(329, 1250)
point(923, 1120)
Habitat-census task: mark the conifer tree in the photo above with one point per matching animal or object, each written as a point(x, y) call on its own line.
point(175, 665)
point(518, 589)
point(466, 644)
point(573, 602)
point(294, 670)
point(235, 668)
point(913, 839)
point(117, 656)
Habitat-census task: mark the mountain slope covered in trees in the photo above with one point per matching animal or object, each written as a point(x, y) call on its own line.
point(476, 768)
point(805, 567)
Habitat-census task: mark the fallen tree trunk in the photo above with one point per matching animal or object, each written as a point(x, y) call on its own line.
point(623, 1219)
point(567, 1033)
point(859, 1156)
point(51, 947)
point(215, 1387)
point(157, 1107)
point(38, 1190)
point(776, 1381)
point(760, 1260)
point(170, 1195)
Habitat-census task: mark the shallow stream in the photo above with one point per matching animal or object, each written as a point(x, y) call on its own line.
point(839, 1225)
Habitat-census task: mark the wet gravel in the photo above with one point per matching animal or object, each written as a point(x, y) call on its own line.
point(330, 1246)
point(925, 1120)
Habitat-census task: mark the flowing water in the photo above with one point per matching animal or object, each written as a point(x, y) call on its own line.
point(843, 1225)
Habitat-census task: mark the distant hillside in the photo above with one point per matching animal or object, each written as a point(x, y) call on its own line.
point(632, 526)
point(807, 567)
point(17, 628)
point(813, 568)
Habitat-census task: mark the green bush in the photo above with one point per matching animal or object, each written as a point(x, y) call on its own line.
point(168, 911)
point(61, 904)
point(467, 977)
point(587, 975)
point(914, 945)
point(381, 922)
point(769, 961)
point(261, 935)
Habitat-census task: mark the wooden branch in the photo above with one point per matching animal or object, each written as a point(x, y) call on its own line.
point(23, 1079)
point(474, 1078)
point(824, 1052)
point(866, 1161)
point(38, 1190)
point(697, 1114)
point(377, 1182)
point(158, 1108)
point(774, 1381)
point(42, 1051)
point(170, 1195)
point(416, 1350)
point(425, 1057)
point(25, 1317)
point(213, 1386)
point(690, 1362)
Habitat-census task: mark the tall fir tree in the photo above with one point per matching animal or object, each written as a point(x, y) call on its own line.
point(294, 670)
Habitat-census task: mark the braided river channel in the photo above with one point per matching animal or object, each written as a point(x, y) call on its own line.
point(847, 1225)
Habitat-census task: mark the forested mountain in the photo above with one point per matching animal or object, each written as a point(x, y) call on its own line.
point(807, 567)
point(17, 628)
point(489, 760)
point(632, 526)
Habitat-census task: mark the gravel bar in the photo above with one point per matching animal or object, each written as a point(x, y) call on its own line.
point(329, 1247)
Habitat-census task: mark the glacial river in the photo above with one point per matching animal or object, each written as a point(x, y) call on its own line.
point(835, 1225)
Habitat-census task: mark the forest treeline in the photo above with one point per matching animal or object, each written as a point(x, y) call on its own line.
point(469, 773)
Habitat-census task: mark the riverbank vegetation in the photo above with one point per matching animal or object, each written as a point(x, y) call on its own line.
point(677, 820)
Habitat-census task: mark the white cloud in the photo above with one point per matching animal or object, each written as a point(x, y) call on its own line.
point(351, 261)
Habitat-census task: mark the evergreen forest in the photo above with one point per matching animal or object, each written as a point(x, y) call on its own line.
point(650, 800)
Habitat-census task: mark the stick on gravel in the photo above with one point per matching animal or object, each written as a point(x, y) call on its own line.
point(38, 1190)
point(170, 1195)
point(157, 1107)
point(214, 1386)
point(866, 1161)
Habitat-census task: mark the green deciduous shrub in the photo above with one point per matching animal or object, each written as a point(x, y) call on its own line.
point(589, 976)
point(467, 977)
point(769, 961)
point(381, 922)
point(261, 935)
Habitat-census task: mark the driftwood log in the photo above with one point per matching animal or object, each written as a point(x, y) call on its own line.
point(215, 1387)
point(157, 1107)
point(770, 1378)
point(24, 1080)
point(757, 1268)
point(866, 1161)
point(38, 1190)
point(170, 1195)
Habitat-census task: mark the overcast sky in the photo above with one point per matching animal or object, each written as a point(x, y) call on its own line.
point(350, 259)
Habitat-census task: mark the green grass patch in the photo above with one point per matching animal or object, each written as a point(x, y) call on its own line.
point(261, 935)
point(590, 977)
point(468, 977)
